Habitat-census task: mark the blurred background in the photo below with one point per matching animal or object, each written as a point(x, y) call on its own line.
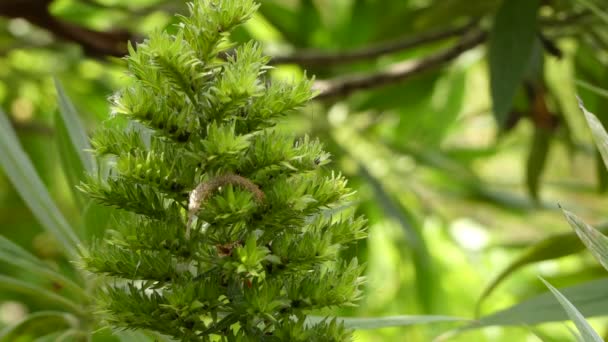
point(456, 121)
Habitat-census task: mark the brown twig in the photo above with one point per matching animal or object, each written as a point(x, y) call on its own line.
point(94, 43)
point(344, 86)
point(316, 58)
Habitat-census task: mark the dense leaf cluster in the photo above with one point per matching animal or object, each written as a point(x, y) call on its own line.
point(228, 228)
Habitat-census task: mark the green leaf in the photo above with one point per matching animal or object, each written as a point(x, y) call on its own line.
point(586, 331)
point(511, 48)
point(74, 129)
point(14, 255)
point(537, 159)
point(552, 247)
point(595, 10)
point(597, 130)
point(385, 322)
point(22, 175)
point(39, 324)
point(595, 241)
point(73, 144)
point(421, 257)
point(591, 299)
point(594, 89)
point(40, 294)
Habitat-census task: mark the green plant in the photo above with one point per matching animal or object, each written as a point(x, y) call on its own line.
point(229, 227)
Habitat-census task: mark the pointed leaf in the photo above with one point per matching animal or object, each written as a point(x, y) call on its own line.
point(591, 299)
point(537, 159)
point(22, 175)
point(595, 241)
point(390, 321)
point(552, 247)
point(586, 331)
point(73, 145)
point(39, 324)
point(511, 48)
point(74, 129)
point(597, 130)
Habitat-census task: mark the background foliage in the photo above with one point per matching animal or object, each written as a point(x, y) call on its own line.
point(457, 121)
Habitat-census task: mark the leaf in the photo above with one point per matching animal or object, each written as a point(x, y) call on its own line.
point(421, 257)
point(74, 129)
point(39, 324)
point(595, 241)
point(552, 247)
point(539, 150)
point(14, 255)
point(595, 10)
point(594, 89)
point(22, 175)
point(385, 322)
point(73, 145)
point(19, 286)
point(586, 331)
point(511, 48)
point(597, 130)
point(591, 299)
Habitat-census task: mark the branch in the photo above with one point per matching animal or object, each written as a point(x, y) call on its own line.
point(94, 43)
point(316, 58)
point(344, 86)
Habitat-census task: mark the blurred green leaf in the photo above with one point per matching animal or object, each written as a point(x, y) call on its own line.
point(595, 241)
point(20, 171)
point(38, 293)
point(586, 331)
point(13, 255)
point(537, 159)
point(76, 133)
point(550, 248)
point(38, 324)
point(422, 259)
point(591, 299)
point(599, 133)
point(511, 48)
point(594, 89)
point(595, 9)
point(385, 322)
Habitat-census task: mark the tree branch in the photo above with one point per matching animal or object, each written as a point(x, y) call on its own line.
point(344, 86)
point(94, 43)
point(316, 58)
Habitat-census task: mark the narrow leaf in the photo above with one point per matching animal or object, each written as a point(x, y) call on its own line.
point(594, 89)
point(552, 247)
point(597, 130)
point(586, 331)
point(385, 322)
point(39, 324)
point(19, 286)
point(511, 47)
point(537, 159)
point(591, 299)
point(595, 10)
point(22, 175)
point(595, 241)
point(12, 254)
point(74, 128)
point(421, 257)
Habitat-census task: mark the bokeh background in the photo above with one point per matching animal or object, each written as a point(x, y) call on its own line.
point(460, 164)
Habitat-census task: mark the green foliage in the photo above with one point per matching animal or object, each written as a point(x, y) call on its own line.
point(587, 334)
point(259, 246)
